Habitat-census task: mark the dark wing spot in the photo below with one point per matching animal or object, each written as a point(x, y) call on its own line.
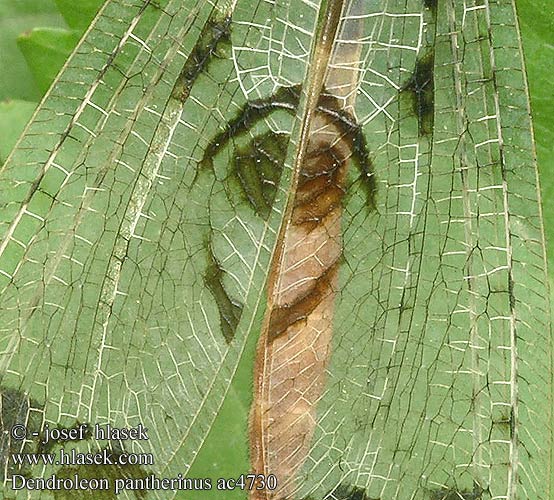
point(230, 310)
point(455, 494)
point(345, 492)
point(431, 5)
point(286, 99)
point(351, 493)
point(422, 91)
point(329, 105)
point(216, 32)
point(17, 409)
point(258, 167)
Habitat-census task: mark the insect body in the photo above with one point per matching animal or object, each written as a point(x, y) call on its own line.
point(294, 348)
point(295, 344)
point(293, 354)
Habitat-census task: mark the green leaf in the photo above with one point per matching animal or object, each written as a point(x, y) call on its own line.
point(46, 50)
point(16, 81)
point(78, 15)
point(14, 115)
point(328, 215)
point(537, 26)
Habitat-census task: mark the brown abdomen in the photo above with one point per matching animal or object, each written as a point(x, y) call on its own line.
point(295, 345)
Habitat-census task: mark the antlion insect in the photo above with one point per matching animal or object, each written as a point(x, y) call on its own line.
point(406, 348)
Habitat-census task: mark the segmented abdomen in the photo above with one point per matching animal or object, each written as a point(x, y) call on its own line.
point(295, 345)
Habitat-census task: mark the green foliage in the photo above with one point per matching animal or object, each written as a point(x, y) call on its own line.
point(16, 17)
point(78, 15)
point(14, 114)
point(537, 29)
point(35, 42)
point(46, 50)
